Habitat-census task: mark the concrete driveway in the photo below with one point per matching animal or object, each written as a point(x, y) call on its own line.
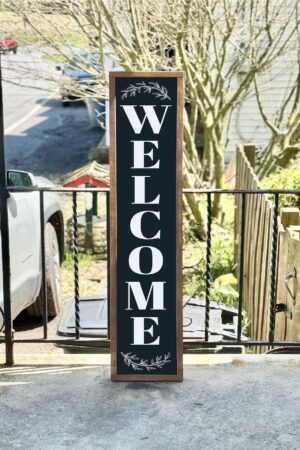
point(241, 404)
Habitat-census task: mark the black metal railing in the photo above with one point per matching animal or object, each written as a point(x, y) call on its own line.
point(10, 340)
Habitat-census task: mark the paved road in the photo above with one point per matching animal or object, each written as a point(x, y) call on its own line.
point(41, 135)
point(247, 406)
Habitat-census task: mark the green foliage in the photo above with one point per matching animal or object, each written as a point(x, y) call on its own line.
point(222, 255)
point(223, 286)
point(285, 179)
point(224, 290)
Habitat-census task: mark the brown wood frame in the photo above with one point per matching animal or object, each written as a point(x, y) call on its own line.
point(113, 224)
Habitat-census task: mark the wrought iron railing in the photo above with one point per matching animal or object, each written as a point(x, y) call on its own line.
point(9, 340)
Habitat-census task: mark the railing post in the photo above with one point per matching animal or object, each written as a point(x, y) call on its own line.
point(241, 266)
point(76, 267)
point(5, 240)
point(208, 268)
point(273, 270)
point(43, 260)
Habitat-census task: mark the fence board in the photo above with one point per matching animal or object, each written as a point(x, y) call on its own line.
point(281, 319)
point(253, 257)
point(259, 261)
point(288, 325)
point(265, 299)
point(257, 255)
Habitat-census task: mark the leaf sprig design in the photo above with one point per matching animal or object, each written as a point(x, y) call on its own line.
point(137, 363)
point(146, 88)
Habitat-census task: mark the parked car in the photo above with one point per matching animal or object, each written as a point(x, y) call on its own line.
point(79, 75)
point(25, 247)
point(8, 45)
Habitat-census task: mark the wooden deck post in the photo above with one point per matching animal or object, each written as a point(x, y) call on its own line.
point(289, 216)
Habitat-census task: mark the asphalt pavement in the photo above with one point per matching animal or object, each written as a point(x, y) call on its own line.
point(41, 135)
point(240, 405)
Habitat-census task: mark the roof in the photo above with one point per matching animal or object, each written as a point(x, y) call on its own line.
point(93, 173)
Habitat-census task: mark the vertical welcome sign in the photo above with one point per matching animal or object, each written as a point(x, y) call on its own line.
point(145, 225)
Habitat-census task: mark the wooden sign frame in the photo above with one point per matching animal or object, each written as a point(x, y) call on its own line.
point(140, 375)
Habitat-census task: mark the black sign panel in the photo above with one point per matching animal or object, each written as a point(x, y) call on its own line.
point(145, 159)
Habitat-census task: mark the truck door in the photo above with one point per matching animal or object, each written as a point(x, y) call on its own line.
point(24, 238)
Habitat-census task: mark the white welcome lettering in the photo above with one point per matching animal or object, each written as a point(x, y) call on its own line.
point(136, 225)
point(139, 155)
point(156, 260)
point(150, 114)
point(139, 331)
point(140, 191)
point(156, 289)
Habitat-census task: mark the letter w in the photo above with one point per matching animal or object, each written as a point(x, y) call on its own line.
point(156, 289)
point(150, 114)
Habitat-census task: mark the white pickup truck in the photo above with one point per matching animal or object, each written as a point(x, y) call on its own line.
point(25, 247)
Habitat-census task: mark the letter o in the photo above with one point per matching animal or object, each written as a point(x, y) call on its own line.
point(134, 260)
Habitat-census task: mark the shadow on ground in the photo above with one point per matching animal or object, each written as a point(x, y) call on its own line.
point(55, 142)
point(24, 322)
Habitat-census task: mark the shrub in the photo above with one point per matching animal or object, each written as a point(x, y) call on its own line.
point(285, 179)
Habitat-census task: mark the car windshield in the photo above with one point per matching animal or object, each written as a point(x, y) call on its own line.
point(84, 62)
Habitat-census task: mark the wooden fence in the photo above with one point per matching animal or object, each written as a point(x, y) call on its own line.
point(257, 256)
point(288, 276)
point(257, 244)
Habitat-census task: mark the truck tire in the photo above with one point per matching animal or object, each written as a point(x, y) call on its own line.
point(66, 102)
point(52, 262)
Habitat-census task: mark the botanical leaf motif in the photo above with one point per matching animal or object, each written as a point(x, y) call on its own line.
point(147, 88)
point(137, 363)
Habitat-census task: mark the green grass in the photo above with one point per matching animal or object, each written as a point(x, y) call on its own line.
point(92, 276)
point(54, 57)
point(84, 260)
point(68, 33)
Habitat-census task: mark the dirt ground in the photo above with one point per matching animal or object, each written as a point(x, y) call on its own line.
point(93, 282)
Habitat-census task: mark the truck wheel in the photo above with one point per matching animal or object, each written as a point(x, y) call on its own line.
point(66, 102)
point(14, 51)
point(52, 261)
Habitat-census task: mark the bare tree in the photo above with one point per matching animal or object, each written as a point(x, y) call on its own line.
point(221, 45)
point(283, 123)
